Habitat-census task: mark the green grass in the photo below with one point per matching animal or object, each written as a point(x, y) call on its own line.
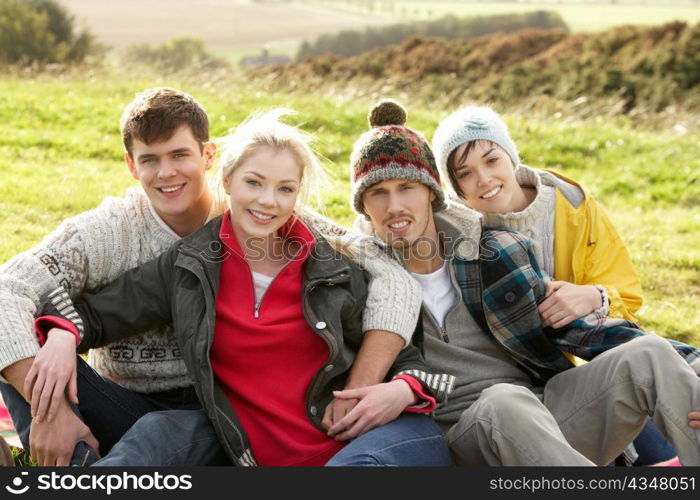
point(60, 154)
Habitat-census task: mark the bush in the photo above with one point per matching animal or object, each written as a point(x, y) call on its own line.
point(351, 43)
point(174, 55)
point(41, 31)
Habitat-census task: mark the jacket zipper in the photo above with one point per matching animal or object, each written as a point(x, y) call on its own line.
point(258, 303)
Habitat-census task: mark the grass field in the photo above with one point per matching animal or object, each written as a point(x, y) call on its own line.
point(60, 154)
point(579, 15)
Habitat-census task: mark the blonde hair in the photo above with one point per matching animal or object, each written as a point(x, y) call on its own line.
point(266, 130)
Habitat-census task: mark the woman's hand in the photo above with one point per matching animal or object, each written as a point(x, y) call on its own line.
point(378, 404)
point(566, 302)
point(53, 368)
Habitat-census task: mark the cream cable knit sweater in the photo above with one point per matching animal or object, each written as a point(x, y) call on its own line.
point(91, 249)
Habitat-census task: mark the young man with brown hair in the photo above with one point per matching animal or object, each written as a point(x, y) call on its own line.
point(166, 137)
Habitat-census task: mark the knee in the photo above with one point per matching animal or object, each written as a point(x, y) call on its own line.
point(647, 348)
point(151, 427)
point(504, 402)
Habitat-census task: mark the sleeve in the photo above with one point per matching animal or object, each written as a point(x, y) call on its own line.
point(426, 402)
point(62, 259)
point(410, 362)
point(138, 300)
point(394, 297)
point(608, 264)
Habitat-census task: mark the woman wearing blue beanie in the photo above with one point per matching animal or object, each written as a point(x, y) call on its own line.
point(574, 240)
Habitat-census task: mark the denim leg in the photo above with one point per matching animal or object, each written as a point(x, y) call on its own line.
point(409, 441)
point(652, 447)
point(107, 408)
point(168, 438)
point(21, 414)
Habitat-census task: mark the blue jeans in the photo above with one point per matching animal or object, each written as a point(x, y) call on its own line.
point(410, 440)
point(107, 408)
point(652, 447)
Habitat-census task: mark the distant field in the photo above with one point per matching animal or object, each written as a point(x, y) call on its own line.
point(580, 16)
point(60, 154)
point(228, 27)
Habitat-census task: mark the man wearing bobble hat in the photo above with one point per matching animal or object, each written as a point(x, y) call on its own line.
point(517, 399)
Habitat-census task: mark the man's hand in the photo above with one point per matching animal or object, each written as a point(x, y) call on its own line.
point(378, 404)
point(52, 443)
point(53, 368)
point(566, 302)
point(377, 353)
point(694, 419)
point(336, 410)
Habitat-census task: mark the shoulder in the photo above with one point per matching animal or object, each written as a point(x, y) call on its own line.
point(504, 238)
point(127, 209)
point(571, 191)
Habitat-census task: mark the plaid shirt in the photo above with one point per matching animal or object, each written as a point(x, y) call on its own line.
point(502, 289)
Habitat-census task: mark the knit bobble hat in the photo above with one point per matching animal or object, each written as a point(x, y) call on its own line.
point(390, 150)
point(469, 124)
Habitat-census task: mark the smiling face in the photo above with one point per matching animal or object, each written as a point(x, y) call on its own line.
point(486, 179)
point(402, 215)
point(173, 175)
point(262, 192)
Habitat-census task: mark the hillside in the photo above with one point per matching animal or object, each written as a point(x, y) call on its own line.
point(630, 70)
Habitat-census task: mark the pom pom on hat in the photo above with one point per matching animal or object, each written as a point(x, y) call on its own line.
point(390, 150)
point(387, 112)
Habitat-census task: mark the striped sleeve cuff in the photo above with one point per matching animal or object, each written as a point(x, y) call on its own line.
point(441, 384)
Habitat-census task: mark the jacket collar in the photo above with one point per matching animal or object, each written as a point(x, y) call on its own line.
point(323, 262)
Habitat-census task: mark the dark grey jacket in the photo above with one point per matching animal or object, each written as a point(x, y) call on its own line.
point(180, 287)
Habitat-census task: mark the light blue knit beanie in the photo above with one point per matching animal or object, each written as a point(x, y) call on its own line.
point(469, 124)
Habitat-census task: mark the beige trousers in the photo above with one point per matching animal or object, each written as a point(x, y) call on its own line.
point(586, 415)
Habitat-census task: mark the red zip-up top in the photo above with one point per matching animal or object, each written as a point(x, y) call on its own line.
point(265, 358)
point(265, 365)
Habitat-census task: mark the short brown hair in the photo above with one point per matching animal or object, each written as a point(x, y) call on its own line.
point(155, 114)
point(453, 162)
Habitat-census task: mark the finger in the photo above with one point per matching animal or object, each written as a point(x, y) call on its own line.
point(46, 459)
point(33, 451)
point(44, 400)
point(63, 460)
point(564, 321)
point(694, 415)
point(36, 395)
point(328, 415)
point(695, 424)
point(344, 423)
point(547, 304)
point(29, 381)
point(92, 442)
point(361, 426)
point(54, 402)
point(351, 393)
point(343, 408)
point(557, 318)
point(73, 388)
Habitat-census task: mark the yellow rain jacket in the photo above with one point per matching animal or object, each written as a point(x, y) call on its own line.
point(589, 251)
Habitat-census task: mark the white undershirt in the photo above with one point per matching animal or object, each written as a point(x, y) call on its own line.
point(261, 282)
point(439, 295)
